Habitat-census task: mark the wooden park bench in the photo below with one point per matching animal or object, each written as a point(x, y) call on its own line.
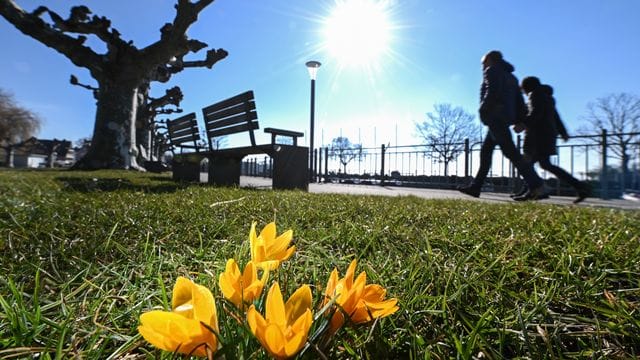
point(238, 115)
point(183, 133)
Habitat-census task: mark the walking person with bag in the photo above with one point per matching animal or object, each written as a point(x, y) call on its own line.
point(500, 99)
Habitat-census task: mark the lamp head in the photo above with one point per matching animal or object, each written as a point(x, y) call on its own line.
point(312, 67)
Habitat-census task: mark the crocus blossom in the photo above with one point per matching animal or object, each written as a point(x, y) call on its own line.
point(357, 300)
point(183, 329)
point(267, 250)
point(241, 288)
point(284, 330)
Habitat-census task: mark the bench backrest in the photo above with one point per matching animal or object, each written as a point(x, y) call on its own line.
point(233, 115)
point(182, 130)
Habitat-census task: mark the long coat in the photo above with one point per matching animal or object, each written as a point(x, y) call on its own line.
point(540, 122)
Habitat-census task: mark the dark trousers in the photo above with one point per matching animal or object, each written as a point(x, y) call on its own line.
point(499, 134)
point(559, 172)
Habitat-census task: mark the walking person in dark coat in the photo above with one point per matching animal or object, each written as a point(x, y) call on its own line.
point(543, 124)
point(500, 99)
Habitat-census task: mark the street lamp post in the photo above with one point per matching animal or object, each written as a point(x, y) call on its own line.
point(313, 67)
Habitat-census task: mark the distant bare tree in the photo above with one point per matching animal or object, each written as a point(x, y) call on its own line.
point(17, 124)
point(219, 142)
point(619, 114)
point(445, 130)
point(343, 150)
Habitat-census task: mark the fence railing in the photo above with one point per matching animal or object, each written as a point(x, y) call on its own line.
point(596, 158)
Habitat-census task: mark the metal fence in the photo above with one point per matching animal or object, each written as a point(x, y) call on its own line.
point(594, 158)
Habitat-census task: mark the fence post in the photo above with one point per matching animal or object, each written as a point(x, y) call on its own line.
point(270, 167)
point(466, 157)
point(319, 165)
point(604, 179)
point(315, 165)
point(326, 163)
point(382, 166)
point(265, 169)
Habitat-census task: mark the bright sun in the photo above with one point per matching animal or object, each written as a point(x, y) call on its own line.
point(357, 32)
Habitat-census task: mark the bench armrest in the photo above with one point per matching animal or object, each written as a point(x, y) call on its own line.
point(292, 134)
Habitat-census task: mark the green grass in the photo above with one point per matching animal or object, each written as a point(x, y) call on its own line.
point(83, 254)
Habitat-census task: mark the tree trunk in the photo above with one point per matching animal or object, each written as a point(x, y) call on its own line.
point(9, 156)
point(143, 138)
point(625, 170)
point(114, 136)
point(51, 160)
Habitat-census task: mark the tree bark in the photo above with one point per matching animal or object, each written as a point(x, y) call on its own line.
point(114, 142)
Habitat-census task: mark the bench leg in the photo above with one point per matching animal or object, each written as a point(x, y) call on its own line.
point(186, 171)
point(290, 167)
point(224, 171)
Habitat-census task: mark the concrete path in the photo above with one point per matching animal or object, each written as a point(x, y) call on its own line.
point(259, 182)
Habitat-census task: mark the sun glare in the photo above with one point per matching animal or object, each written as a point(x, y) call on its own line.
point(357, 32)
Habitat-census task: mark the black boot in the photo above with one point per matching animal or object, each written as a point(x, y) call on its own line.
point(470, 190)
point(539, 193)
point(522, 191)
point(583, 192)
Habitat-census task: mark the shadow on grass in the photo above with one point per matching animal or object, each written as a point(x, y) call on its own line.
point(159, 178)
point(158, 185)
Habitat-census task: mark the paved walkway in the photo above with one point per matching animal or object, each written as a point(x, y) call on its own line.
point(259, 182)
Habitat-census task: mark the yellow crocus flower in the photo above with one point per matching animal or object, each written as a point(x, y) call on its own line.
point(182, 330)
point(241, 288)
point(284, 331)
point(359, 301)
point(267, 250)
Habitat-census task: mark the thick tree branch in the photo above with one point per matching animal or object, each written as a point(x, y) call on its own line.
point(81, 23)
point(213, 56)
point(172, 96)
point(33, 26)
point(155, 106)
point(74, 81)
point(168, 52)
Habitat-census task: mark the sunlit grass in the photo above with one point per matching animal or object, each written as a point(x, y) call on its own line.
point(83, 254)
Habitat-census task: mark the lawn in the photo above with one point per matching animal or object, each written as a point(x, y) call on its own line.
point(83, 254)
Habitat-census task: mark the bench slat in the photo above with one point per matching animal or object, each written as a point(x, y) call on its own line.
point(185, 138)
point(182, 125)
point(230, 111)
point(245, 96)
point(232, 130)
point(181, 121)
point(193, 127)
point(235, 120)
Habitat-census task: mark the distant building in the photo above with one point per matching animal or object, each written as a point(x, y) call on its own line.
point(41, 153)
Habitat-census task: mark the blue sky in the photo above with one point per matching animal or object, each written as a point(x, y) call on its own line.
point(584, 48)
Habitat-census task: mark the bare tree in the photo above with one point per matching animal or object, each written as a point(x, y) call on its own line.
point(619, 114)
point(445, 130)
point(217, 142)
point(146, 121)
point(147, 136)
point(123, 73)
point(343, 150)
point(17, 124)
